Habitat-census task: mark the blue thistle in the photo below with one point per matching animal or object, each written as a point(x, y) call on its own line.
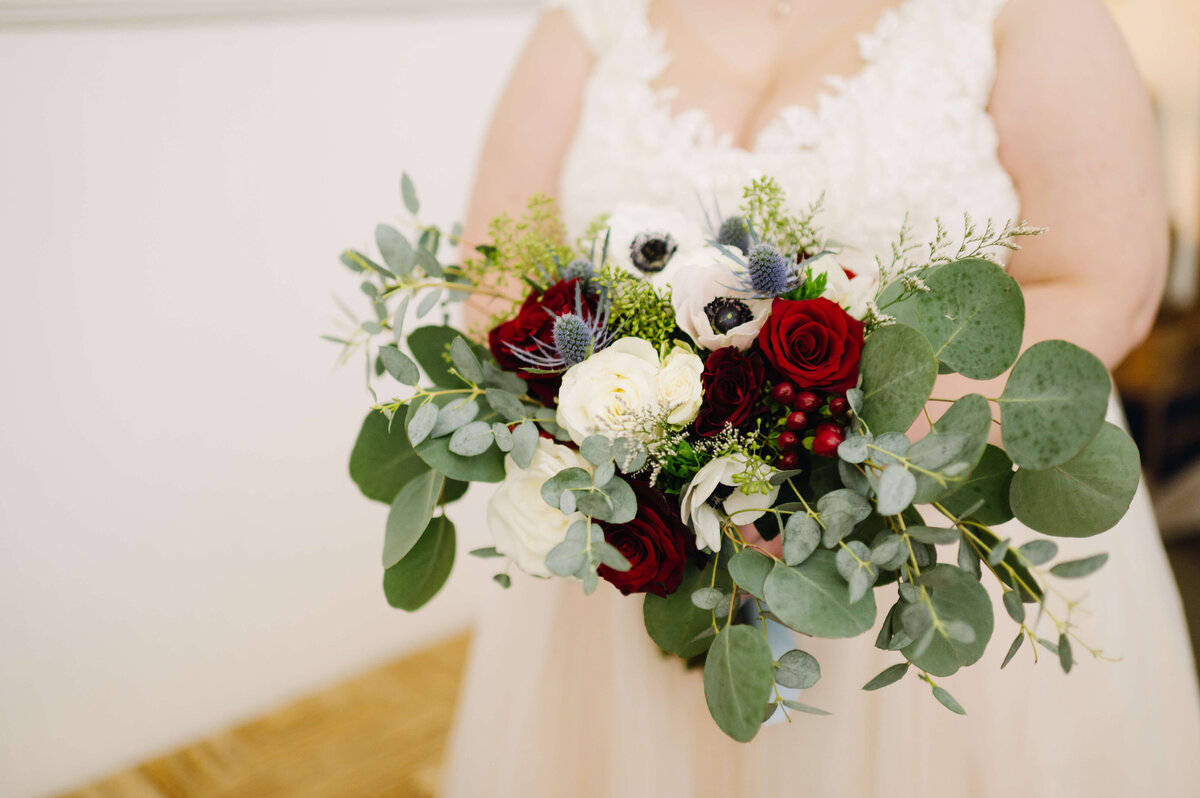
point(735, 232)
point(768, 273)
point(574, 337)
point(579, 269)
point(651, 251)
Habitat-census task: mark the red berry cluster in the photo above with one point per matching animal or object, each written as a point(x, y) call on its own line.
point(803, 410)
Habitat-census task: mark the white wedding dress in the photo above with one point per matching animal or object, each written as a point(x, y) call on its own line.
point(567, 696)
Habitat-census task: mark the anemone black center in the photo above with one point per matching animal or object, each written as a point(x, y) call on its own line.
point(724, 313)
point(650, 252)
point(719, 494)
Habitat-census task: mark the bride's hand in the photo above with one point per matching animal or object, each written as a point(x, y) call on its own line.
point(773, 547)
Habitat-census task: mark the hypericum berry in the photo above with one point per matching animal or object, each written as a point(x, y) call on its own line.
point(769, 273)
point(806, 401)
point(580, 268)
point(827, 439)
point(735, 233)
point(784, 393)
point(573, 339)
point(724, 313)
point(787, 440)
point(796, 421)
point(652, 250)
point(837, 405)
point(788, 461)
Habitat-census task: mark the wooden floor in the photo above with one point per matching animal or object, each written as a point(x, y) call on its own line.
point(382, 734)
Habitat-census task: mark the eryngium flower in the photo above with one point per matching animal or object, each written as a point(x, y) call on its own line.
point(580, 268)
point(573, 339)
point(768, 272)
point(735, 233)
point(651, 251)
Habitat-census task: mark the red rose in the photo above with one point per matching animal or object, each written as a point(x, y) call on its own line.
point(733, 384)
point(814, 343)
point(534, 323)
point(655, 542)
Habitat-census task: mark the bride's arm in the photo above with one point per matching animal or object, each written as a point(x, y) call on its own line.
point(530, 131)
point(1077, 135)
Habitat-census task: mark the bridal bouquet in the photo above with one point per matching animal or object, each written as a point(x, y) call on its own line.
point(721, 421)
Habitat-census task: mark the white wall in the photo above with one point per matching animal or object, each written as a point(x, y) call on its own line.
point(180, 544)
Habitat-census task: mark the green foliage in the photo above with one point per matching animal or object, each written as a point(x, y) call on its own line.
point(1053, 404)
point(798, 670)
point(638, 308)
point(737, 681)
point(1084, 496)
point(417, 578)
point(765, 207)
point(898, 371)
point(676, 624)
point(382, 462)
point(969, 417)
point(749, 570)
point(988, 483)
point(410, 514)
point(431, 347)
point(959, 602)
point(812, 598)
point(973, 315)
point(436, 453)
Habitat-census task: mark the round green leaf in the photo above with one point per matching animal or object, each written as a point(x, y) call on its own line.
point(399, 365)
point(431, 347)
point(412, 582)
point(749, 569)
point(989, 482)
point(969, 417)
point(1053, 404)
point(674, 623)
point(798, 670)
point(973, 316)
point(410, 514)
point(435, 452)
point(737, 681)
point(382, 462)
point(1085, 495)
point(812, 598)
point(956, 596)
point(898, 372)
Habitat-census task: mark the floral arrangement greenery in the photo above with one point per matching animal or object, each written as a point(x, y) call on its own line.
point(719, 422)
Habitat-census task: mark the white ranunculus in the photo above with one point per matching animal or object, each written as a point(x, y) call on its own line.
point(741, 507)
point(604, 394)
point(525, 528)
point(696, 280)
point(629, 219)
point(852, 293)
point(680, 391)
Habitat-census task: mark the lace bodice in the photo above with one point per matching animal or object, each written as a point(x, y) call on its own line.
point(908, 134)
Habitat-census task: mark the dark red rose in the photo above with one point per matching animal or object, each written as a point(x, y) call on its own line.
point(733, 384)
point(813, 343)
point(827, 438)
point(533, 324)
point(655, 542)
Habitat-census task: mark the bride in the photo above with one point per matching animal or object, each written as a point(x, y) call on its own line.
point(1024, 108)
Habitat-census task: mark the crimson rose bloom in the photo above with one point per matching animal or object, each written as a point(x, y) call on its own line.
point(814, 343)
point(655, 542)
point(733, 384)
point(532, 324)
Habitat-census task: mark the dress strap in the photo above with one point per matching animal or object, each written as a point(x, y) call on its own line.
point(602, 23)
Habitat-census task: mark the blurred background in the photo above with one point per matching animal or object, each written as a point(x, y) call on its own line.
point(181, 549)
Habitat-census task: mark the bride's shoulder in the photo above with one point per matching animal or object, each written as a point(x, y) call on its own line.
point(1072, 22)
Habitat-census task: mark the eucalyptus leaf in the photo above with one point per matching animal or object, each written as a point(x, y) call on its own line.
point(417, 578)
point(957, 598)
point(456, 413)
point(889, 676)
point(990, 483)
point(435, 452)
point(1014, 606)
point(854, 448)
point(737, 681)
point(485, 553)
point(605, 472)
point(473, 439)
point(503, 436)
point(566, 559)
point(1039, 552)
point(1053, 404)
point(411, 512)
point(1084, 496)
point(812, 598)
point(596, 449)
point(947, 700)
point(749, 569)
point(799, 707)
point(525, 438)
point(465, 361)
point(421, 423)
point(897, 487)
point(838, 524)
point(898, 371)
point(933, 535)
point(383, 460)
point(611, 557)
point(1077, 569)
point(394, 247)
point(409, 193)
point(505, 404)
point(797, 670)
point(801, 537)
point(1013, 649)
point(1065, 658)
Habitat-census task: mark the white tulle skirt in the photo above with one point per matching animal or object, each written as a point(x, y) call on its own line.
point(567, 696)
